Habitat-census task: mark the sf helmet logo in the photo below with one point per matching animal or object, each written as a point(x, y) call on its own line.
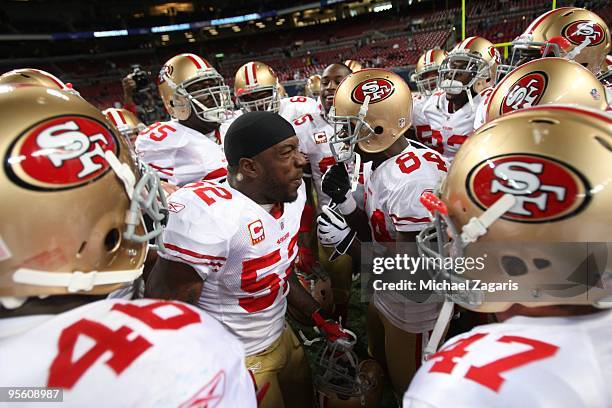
point(545, 189)
point(60, 153)
point(164, 73)
point(495, 55)
point(525, 92)
point(584, 31)
point(378, 89)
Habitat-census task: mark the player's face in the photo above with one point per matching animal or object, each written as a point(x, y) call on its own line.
point(283, 166)
point(254, 96)
point(463, 77)
point(206, 98)
point(331, 78)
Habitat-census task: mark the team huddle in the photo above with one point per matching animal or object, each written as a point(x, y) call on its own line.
point(176, 263)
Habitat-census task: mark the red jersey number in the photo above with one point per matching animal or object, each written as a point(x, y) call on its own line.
point(269, 284)
point(302, 119)
point(65, 371)
point(489, 375)
point(158, 131)
point(207, 191)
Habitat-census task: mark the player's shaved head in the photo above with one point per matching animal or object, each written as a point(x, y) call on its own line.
point(330, 79)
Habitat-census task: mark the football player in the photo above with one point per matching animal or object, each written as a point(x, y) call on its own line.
point(446, 118)
point(314, 133)
point(546, 81)
point(230, 249)
point(186, 148)
point(537, 207)
point(72, 242)
point(570, 32)
point(257, 88)
point(371, 112)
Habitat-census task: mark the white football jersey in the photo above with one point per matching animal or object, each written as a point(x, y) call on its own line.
point(314, 133)
point(441, 130)
point(218, 136)
point(119, 353)
point(243, 253)
point(392, 205)
point(481, 109)
point(180, 154)
point(296, 106)
point(547, 362)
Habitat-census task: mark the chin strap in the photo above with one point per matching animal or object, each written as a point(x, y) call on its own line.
point(75, 281)
point(355, 177)
point(122, 171)
point(444, 318)
point(477, 226)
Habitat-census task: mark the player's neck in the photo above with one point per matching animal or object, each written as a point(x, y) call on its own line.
point(546, 311)
point(249, 189)
point(50, 305)
point(396, 148)
point(199, 125)
point(457, 103)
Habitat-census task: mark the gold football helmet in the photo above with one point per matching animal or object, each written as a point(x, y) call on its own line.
point(188, 84)
point(587, 38)
point(426, 71)
point(547, 81)
point(71, 214)
point(353, 65)
point(471, 65)
point(312, 89)
point(33, 76)
point(126, 122)
point(256, 87)
point(342, 381)
point(372, 109)
point(528, 197)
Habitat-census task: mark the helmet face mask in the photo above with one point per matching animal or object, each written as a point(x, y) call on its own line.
point(460, 71)
point(426, 82)
point(525, 50)
point(348, 132)
point(262, 98)
point(208, 97)
point(426, 70)
point(341, 380)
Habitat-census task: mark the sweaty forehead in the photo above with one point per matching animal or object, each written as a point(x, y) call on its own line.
point(336, 70)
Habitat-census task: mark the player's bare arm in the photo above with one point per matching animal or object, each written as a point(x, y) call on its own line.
point(174, 281)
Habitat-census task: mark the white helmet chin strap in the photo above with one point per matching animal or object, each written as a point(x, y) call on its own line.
point(74, 282)
point(477, 227)
point(122, 171)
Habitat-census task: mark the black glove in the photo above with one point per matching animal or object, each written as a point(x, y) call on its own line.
point(336, 183)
